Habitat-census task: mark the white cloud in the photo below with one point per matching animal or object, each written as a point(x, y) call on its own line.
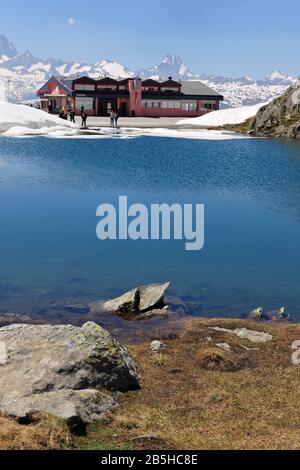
point(72, 21)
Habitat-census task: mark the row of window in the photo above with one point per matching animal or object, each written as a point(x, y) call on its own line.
point(163, 89)
point(87, 103)
point(209, 106)
point(187, 105)
point(184, 105)
point(84, 87)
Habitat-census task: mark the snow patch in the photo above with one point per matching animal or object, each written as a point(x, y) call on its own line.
point(223, 117)
point(18, 119)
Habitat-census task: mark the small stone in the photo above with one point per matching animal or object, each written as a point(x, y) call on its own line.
point(245, 333)
point(224, 346)
point(157, 346)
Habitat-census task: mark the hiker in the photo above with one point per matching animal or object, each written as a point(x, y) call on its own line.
point(72, 115)
point(62, 115)
point(112, 118)
point(116, 118)
point(84, 119)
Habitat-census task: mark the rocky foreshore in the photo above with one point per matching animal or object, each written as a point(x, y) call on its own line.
point(219, 383)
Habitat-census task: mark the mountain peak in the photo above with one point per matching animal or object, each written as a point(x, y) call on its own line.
point(7, 48)
point(171, 59)
point(277, 77)
point(169, 66)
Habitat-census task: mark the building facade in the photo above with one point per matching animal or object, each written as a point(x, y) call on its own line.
point(129, 96)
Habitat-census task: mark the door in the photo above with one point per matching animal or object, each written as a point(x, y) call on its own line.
point(106, 105)
point(122, 110)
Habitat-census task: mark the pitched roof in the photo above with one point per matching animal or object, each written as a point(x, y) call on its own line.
point(195, 87)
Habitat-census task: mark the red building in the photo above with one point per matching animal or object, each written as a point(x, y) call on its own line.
point(129, 96)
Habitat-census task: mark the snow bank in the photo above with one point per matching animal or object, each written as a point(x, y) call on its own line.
point(224, 116)
point(19, 116)
point(199, 134)
point(133, 133)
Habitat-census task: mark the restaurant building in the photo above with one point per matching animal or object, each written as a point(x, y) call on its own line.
point(129, 96)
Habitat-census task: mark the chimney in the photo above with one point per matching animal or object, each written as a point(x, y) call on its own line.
point(170, 78)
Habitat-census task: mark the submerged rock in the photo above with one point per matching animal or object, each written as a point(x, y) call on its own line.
point(279, 314)
point(138, 300)
point(10, 318)
point(156, 313)
point(63, 370)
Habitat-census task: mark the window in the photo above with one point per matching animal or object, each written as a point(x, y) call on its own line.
point(164, 88)
point(189, 105)
point(151, 104)
point(150, 88)
point(171, 104)
point(209, 105)
point(83, 87)
point(107, 87)
point(88, 103)
point(122, 87)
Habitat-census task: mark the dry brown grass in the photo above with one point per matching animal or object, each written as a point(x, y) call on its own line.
point(187, 406)
point(46, 434)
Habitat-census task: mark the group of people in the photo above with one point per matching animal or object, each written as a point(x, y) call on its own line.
point(66, 113)
point(69, 113)
point(114, 116)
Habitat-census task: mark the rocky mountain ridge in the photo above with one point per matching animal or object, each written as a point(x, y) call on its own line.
point(21, 74)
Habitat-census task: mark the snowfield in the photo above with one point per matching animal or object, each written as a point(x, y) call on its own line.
point(16, 119)
point(222, 117)
point(23, 121)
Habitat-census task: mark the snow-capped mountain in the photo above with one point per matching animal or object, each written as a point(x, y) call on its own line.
point(242, 91)
point(22, 74)
point(7, 49)
point(245, 91)
point(169, 66)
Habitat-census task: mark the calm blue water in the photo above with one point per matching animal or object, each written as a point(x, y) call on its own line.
point(49, 191)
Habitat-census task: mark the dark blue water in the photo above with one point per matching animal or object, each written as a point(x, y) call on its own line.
point(50, 189)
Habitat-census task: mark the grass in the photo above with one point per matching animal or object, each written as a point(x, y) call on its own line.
point(48, 433)
point(183, 404)
point(194, 395)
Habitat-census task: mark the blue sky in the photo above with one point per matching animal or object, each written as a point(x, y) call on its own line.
point(227, 37)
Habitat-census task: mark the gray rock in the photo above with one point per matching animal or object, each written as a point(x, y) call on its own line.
point(157, 346)
point(140, 299)
point(245, 333)
point(77, 407)
point(256, 314)
point(281, 117)
point(279, 314)
point(152, 296)
point(61, 369)
point(224, 346)
point(162, 313)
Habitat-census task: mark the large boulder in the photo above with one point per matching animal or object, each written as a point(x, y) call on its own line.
point(281, 117)
point(63, 370)
point(138, 300)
